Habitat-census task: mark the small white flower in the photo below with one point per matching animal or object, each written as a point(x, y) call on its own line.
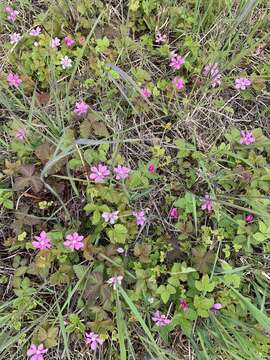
point(114, 281)
point(120, 250)
point(14, 38)
point(66, 62)
point(36, 43)
point(151, 300)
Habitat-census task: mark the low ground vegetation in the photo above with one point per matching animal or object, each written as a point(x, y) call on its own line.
point(134, 179)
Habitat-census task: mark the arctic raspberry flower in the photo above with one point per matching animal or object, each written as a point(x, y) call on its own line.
point(207, 203)
point(140, 217)
point(114, 281)
point(177, 61)
point(35, 32)
point(55, 43)
point(99, 172)
point(36, 352)
point(242, 83)
point(249, 218)
point(121, 172)
point(81, 40)
point(160, 38)
point(14, 38)
point(93, 340)
point(247, 138)
point(184, 305)
point(12, 14)
point(151, 168)
point(178, 83)
point(74, 241)
point(14, 79)
point(215, 308)
point(160, 319)
point(110, 217)
point(259, 49)
point(81, 108)
point(20, 134)
point(69, 41)
point(174, 213)
point(42, 241)
point(145, 93)
point(66, 62)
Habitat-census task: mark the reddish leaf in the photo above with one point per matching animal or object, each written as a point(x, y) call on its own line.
point(43, 98)
point(27, 170)
point(21, 183)
point(36, 184)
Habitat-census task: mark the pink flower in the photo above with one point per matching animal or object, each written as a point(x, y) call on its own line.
point(35, 32)
point(247, 138)
point(74, 241)
point(184, 305)
point(120, 250)
point(81, 40)
point(140, 217)
point(14, 38)
point(81, 108)
point(20, 134)
point(42, 241)
point(110, 216)
point(93, 340)
point(36, 352)
point(151, 168)
point(55, 43)
point(98, 173)
point(242, 83)
point(174, 213)
point(14, 79)
point(121, 172)
point(216, 307)
point(12, 14)
point(145, 93)
point(177, 61)
point(66, 62)
point(249, 218)
point(212, 70)
point(69, 41)
point(207, 203)
point(114, 281)
point(179, 83)
point(260, 48)
point(160, 38)
point(160, 319)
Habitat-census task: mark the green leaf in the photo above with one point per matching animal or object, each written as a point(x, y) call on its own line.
point(102, 44)
point(118, 234)
point(264, 228)
point(204, 285)
point(96, 217)
point(185, 148)
point(203, 305)
point(8, 204)
point(134, 5)
point(259, 237)
point(259, 315)
point(80, 271)
point(165, 292)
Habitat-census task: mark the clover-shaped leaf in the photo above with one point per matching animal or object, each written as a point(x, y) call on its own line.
point(28, 179)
